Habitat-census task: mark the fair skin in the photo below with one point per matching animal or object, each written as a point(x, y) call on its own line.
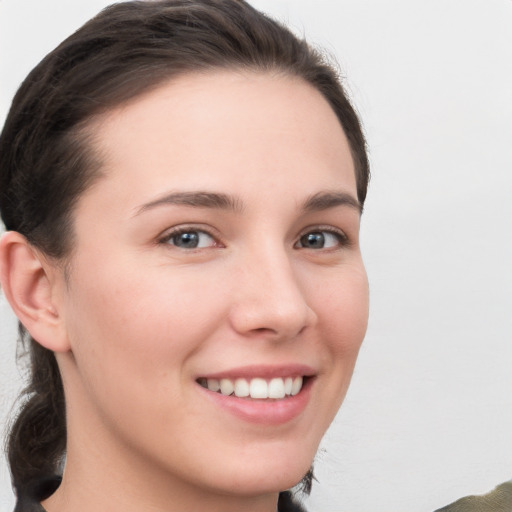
point(221, 243)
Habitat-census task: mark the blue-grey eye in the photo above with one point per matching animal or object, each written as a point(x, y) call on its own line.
point(320, 240)
point(191, 239)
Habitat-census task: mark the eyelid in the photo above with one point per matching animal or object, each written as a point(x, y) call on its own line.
point(344, 239)
point(184, 228)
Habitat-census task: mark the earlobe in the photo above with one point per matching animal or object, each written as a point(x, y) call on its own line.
point(28, 284)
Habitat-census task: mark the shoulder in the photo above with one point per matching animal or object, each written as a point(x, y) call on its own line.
point(498, 500)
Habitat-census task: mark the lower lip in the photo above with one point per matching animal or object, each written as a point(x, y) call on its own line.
point(264, 412)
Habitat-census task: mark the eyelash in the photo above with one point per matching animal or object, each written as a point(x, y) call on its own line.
point(341, 237)
point(189, 229)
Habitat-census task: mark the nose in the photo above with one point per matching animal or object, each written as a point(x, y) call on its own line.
point(269, 298)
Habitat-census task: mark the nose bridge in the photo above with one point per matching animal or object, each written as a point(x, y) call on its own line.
point(269, 295)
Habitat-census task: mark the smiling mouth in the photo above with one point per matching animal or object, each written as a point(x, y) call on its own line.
point(257, 388)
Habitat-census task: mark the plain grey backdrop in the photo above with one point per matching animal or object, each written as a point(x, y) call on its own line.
point(429, 415)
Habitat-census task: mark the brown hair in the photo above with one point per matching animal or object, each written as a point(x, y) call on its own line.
point(46, 162)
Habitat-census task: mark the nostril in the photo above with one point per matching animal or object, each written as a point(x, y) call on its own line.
point(262, 329)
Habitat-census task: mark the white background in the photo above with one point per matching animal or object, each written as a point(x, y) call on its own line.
point(429, 414)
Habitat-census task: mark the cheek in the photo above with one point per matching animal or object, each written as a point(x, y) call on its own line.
point(133, 339)
point(342, 310)
point(128, 325)
point(341, 304)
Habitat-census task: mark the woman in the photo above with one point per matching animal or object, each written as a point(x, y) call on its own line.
point(182, 184)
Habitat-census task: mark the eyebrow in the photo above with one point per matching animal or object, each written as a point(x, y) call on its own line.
point(323, 200)
point(198, 199)
point(330, 199)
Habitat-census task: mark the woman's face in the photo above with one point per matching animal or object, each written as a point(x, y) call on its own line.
point(220, 248)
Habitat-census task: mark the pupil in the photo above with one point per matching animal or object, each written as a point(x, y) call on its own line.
point(189, 240)
point(314, 240)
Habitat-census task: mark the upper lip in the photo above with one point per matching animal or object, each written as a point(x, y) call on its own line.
point(262, 371)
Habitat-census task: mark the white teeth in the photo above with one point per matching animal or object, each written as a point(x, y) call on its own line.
point(296, 386)
point(288, 383)
point(213, 384)
point(226, 386)
point(257, 388)
point(276, 388)
point(241, 388)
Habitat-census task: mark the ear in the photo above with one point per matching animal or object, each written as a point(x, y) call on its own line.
point(28, 281)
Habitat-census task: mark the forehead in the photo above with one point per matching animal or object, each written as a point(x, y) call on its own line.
point(202, 130)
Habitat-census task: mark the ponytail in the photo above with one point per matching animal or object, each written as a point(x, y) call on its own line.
point(37, 439)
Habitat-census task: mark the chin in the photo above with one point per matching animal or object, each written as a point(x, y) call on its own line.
point(278, 473)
